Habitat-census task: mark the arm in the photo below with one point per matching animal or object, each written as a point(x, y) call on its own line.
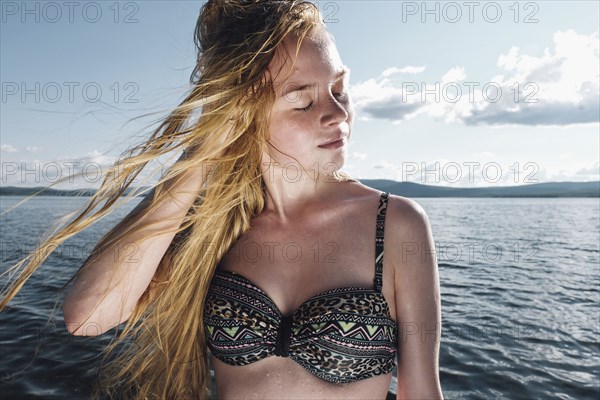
point(98, 301)
point(417, 294)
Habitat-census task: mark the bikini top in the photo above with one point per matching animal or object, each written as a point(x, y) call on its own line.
point(340, 335)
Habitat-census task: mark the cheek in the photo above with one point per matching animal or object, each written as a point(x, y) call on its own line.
point(277, 128)
point(286, 137)
point(287, 134)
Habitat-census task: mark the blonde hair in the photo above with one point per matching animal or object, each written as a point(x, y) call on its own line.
point(163, 349)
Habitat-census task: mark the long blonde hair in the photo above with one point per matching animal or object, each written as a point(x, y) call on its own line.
point(163, 352)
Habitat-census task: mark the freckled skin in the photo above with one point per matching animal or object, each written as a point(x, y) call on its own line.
point(298, 133)
point(335, 229)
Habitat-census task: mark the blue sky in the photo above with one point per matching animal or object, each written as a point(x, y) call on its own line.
point(72, 76)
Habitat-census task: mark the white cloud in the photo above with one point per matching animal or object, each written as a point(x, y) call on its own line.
point(559, 88)
point(380, 100)
point(591, 172)
point(406, 70)
point(97, 157)
point(481, 169)
point(510, 60)
point(555, 89)
point(7, 148)
point(455, 74)
point(581, 173)
point(385, 165)
point(484, 155)
point(85, 171)
point(357, 156)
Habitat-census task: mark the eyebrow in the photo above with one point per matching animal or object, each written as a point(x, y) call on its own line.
point(296, 87)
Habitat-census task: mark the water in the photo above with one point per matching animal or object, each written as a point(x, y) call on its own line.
point(520, 286)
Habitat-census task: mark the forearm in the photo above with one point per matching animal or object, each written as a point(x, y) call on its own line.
point(112, 281)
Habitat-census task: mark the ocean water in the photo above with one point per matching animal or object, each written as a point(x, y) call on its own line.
point(520, 288)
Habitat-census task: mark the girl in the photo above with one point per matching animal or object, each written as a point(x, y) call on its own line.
point(254, 250)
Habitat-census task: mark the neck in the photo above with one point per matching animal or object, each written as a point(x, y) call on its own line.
point(290, 191)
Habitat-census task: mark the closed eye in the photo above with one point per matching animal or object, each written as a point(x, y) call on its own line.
point(305, 109)
point(342, 95)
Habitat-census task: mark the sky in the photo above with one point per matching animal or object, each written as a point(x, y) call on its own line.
point(459, 94)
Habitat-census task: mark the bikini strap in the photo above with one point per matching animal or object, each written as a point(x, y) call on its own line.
point(383, 200)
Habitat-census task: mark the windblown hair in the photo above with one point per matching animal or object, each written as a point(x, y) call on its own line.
point(162, 348)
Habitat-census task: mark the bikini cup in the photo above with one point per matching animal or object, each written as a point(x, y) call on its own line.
point(340, 335)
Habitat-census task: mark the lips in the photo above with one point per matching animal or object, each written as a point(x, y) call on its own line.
point(336, 144)
point(331, 141)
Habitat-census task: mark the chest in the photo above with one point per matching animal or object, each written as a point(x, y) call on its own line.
point(293, 263)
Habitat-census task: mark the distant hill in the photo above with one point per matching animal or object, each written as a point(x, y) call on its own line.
point(407, 189)
point(549, 189)
point(25, 191)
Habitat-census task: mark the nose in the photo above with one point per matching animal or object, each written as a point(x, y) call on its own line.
point(335, 109)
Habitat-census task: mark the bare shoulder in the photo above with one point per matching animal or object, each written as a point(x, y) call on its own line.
point(406, 217)
point(408, 237)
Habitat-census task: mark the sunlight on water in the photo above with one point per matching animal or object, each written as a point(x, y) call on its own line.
point(519, 283)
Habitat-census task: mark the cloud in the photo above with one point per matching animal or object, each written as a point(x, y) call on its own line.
point(583, 173)
point(83, 171)
point(563, 86)
point(391, 108)
point(357, 156)
point(481, 169)
point(589, 173)
point(544, 114)
point(484, 155)
point(385, 165)
point(557, 89)
point(455, 74)
point(7, 148)
point(97, 157)
point(406, 70)
point(379, 99)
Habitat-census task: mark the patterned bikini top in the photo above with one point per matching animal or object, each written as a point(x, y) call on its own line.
point(340, 335)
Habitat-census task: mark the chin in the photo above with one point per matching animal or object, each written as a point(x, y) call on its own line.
point(333, 164)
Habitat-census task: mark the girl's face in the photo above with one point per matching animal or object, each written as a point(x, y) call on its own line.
point(312, 108)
